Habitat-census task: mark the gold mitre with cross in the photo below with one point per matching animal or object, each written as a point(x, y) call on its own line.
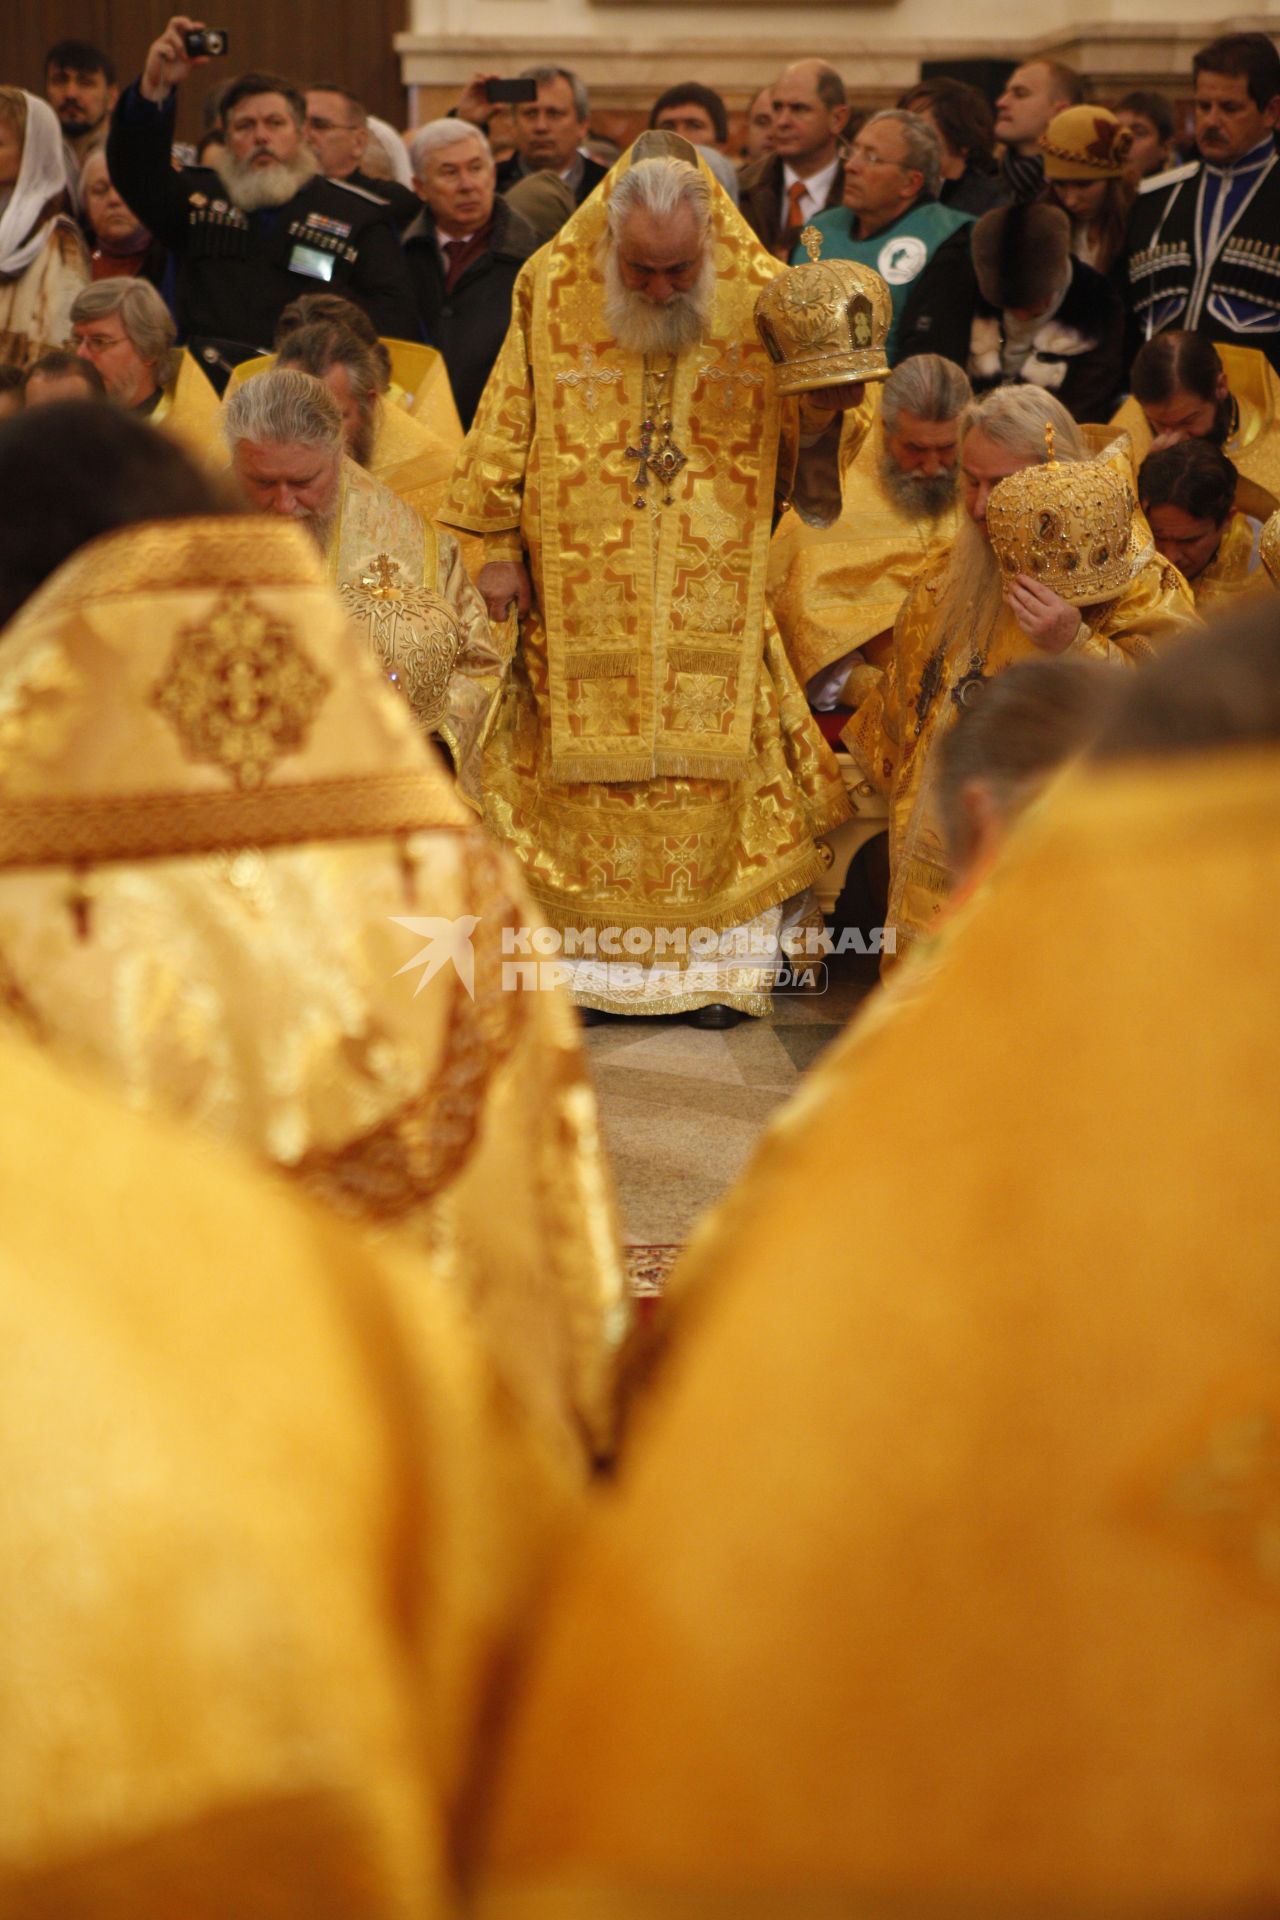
point(1269, 548)
point(1069, 524)
point(826, 322)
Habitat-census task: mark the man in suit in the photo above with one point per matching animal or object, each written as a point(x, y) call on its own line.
point(550, 131)
point(464, 251)
point(803, 175)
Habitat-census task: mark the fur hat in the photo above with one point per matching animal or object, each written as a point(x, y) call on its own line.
point(1020, 254)
point(1085, 143)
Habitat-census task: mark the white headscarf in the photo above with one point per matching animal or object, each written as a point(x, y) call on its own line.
point(394, 146)
point(41, 177)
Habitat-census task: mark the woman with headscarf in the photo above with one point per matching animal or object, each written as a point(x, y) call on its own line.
point(43, 262)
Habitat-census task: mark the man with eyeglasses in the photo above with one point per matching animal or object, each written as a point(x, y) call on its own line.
point(337, 130)
point(892, 219)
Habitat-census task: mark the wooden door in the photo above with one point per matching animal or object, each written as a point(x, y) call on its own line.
point(348, 41)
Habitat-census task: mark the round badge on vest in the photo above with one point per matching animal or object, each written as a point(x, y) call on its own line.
point(900, 260)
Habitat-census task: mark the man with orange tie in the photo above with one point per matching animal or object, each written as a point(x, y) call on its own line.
point(782, 191)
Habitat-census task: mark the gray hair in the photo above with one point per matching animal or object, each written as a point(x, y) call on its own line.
point(926, 385)
point(438, 134)
point(924, 150)
point(1016, 417)
point(284, 409)
point(660, 186)
point(95, 153)
point(581, 98)
point(147, 322)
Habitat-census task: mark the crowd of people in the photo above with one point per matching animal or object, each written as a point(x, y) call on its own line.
point(464, 587)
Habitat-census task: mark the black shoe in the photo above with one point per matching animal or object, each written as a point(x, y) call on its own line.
point(716, 1017)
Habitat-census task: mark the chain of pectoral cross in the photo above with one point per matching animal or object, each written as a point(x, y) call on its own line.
point(661, 463)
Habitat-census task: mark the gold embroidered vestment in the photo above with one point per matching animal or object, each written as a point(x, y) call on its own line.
point(654, 762)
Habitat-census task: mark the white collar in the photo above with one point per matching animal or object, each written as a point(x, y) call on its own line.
point(1247, 163)
point(817, 186)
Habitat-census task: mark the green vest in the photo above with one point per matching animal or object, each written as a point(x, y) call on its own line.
point(899, 253)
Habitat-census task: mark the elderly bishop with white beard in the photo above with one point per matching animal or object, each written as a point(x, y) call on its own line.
point(262, 227)
point(653, 764)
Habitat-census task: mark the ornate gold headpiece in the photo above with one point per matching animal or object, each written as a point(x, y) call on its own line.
point(1269, 548)
point(1071, 526)
point(825, 323)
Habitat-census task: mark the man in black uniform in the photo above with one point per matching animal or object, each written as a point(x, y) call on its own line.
point(338, 134)
point(1204, 239)
point(252, 235)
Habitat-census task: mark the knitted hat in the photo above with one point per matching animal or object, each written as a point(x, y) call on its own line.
point(1020, 254)
point(1085, 143)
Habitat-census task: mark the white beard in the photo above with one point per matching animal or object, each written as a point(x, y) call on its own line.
point(251, 188)
point(973, 592)
point(641, 325)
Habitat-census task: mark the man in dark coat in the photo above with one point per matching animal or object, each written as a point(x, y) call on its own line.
point(263, 228)
point(1204, 239)
point(464, 251)
point(804, 175)
point(1019, 307)
point(338, 135)
point(550, 131)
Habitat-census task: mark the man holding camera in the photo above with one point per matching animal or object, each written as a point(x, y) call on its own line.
point(264, 226)
point(550, 111)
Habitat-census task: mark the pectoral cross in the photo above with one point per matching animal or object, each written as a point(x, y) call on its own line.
point(663, 465)
point(590, 378)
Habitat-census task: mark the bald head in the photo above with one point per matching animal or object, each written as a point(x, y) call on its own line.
point(810, 110)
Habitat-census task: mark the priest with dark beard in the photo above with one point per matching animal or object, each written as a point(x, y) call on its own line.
point(262, 227)
point(835, 591)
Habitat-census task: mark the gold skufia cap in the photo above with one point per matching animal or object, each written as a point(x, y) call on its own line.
point(1069, 525)
point(825, 323)
point(1269, 548)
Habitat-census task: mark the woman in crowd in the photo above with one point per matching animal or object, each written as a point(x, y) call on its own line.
point(121, 242)
point(43, 262)
point(1086, 165)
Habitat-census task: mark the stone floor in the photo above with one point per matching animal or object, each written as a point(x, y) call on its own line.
point(682, 1109)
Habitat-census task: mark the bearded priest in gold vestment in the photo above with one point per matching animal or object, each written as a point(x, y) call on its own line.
point(654, 764)
point(402, 579)
point(235, 882)
point(836, 590)
point(965, 619)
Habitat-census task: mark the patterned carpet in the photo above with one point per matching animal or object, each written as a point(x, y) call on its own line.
point(682, 1109)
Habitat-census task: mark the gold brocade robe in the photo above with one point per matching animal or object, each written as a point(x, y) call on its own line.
point(832, 589)
point(894, 733)
point(654, 763)
point(404, 584)
point(1254, 448)
point(272, 1530)
point(223, 841)
point(189, 411)
point(946, 1572)
point(1233, 572)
